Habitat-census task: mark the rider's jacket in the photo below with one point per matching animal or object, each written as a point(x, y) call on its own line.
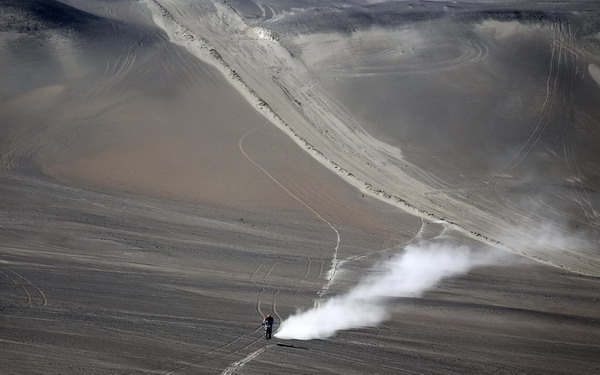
point(268, 322)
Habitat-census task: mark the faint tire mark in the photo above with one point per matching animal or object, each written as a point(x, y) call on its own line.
point(321, 269)
point(28, 303)
point(417, 237)
point(334, 260)
point(238, 364)
point(544, 118)
point(274, 305)
point(275, 292)
point(202, 360)
point(269, 273)
point(475, 51)
point(307, 269)
point(366, 361)
point(260, 292)
point(44, 299)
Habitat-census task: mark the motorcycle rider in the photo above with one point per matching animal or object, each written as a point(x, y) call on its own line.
point(268, 323)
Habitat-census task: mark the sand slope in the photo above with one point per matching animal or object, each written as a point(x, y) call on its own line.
point(154, 205)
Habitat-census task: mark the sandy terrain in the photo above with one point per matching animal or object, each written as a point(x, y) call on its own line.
point(172, 171)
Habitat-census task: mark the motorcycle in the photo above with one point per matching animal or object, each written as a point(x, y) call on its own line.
point(268, 331)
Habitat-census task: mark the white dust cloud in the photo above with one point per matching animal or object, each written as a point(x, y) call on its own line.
point(408, 274)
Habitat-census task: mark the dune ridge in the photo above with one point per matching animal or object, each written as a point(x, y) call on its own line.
point(371, 171)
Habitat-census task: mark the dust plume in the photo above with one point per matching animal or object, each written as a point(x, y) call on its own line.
point(408, 274)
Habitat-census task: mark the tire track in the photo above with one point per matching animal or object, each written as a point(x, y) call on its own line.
point(260, 292)
point(262, 9)
point(275, 292)
point(23, 287)
point(202, 360)
point(307, 269)
point(560, 91)
point(238, 364)
point(579, 183)
point(44, 299)
point(553, 90)
point(28, 296)
point(274, 305)
point(475, 52)
point(529, 142)
point(367, 361)
point(116, 70)
point(334, 262)
point(417, 237)
point(321, 268)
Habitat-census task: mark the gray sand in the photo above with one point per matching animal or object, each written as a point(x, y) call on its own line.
point(153, 209)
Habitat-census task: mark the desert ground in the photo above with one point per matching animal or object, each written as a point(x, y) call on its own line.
point(171, 171)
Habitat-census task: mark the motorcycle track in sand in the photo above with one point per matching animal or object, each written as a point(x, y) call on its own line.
point(23, 287)
point(204, 358)
point(276, 292)
point(260, 292)
point(236, 365)
point(334, 261)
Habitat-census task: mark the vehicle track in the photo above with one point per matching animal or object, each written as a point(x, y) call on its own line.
point(321, 268)
point(307, 269)
point(28, 296)
point(367, 361)
point(238, 364)
point(553, 92)
point(44, 300)
point(540, 123)
point(579, 183)
point(334, 262)
point(260, 292)
point(203, 359)
point(475, 51)
point(276, 292)
point(560, 93)
point(41, 293)
point(417, 237)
